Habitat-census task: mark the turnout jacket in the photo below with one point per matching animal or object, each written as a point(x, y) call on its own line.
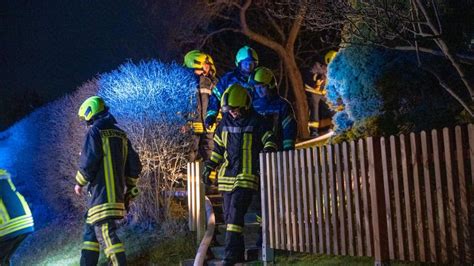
point(15, 215)
point(279, 111)
point(111, 167)
point(237, 143)
point(229, 78)
point(203, 93)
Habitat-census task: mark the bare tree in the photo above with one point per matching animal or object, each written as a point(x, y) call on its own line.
point(403, 25)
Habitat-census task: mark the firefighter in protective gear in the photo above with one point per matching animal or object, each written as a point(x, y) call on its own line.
point(320, 115)
point(275, 108)
point(110, 167)
point(246, 61)
point(240, 136)
point(205, 72)
point(16, 221)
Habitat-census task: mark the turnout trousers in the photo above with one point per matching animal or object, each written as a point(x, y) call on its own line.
point(236, 204)
point(102, 234)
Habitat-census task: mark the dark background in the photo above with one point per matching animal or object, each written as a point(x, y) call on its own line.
point(48, 48)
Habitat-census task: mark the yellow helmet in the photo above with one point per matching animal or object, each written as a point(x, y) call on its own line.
point(195, 59)
point(91, 107)
point(263, 75)
point(329, 56)
point(4, 174)
point(236, 96)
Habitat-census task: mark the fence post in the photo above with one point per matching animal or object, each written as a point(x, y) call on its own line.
point(379, 219)
point(200, 204)
point(267, 252)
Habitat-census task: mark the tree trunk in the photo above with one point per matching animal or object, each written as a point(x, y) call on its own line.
point(296, 82)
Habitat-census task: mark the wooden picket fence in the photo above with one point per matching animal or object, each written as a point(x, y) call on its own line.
point(407, 197)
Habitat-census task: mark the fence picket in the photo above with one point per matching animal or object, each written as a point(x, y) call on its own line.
point(311, 178)
point(377, 200)
point(304, 190)
point(462, 191)
point(419, 228)
point(333, 200)
point(271, 214)
point(406, 192)
point(387, 191)
point(299, 205)
point(274, 186)
point(439, 196)
point(293, 200)
point(326, 200)
point(347, 183)
point(190, 197)
point(340, 203)
point(265, 215)
point(397, 197)
point(358, 218)
point(319, 205)
point(429, 200)
point(451, 196)
point(471, 192)
point(365, 199)
point(289, 236)
point(281, 212)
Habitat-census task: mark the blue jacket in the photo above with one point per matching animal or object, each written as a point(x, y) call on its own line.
point(229, 78)
point(15, 215)
point(111, 167)
point(281, 114)
point(237, 144)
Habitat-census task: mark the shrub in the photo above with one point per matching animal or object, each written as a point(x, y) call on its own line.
point(384, 92)
point(151, 101)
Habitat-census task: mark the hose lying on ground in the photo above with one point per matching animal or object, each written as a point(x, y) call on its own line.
point(207, 239)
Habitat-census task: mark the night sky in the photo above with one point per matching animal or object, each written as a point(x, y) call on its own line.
point(51, 47)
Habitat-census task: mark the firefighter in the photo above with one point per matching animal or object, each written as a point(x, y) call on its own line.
point(16, 221)
point(320, 115)
point(246, 60)
point(205, 72)
point(110, 167)
point(277, 109)
point(240, 136)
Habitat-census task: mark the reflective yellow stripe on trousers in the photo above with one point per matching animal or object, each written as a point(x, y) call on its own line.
point(108, 170)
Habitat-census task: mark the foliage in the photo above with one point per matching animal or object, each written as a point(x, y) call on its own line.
point(151, 101)
point(385, 93)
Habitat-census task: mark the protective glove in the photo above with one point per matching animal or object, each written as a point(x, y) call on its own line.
point(209, 121)
point(206, 173)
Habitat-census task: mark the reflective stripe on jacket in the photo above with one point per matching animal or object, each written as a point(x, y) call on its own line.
point(15, 215)
point(237, 144)
point(111, 167)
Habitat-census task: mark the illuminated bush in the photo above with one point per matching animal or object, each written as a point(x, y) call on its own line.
point(384, 92)
point(151, 101)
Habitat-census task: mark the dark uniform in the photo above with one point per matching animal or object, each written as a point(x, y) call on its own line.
point(16, 221)
point(111, 167)
point(202, 144)
point(229, 78)
point(320, 115)
point(237, 144)
point(279, 111)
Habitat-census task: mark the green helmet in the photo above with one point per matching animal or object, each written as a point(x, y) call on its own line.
point(195, 59)
point(263, 75)
point(4, 174)
point(329, 56)
point(235, 96)
point(91, 107)
point(246, 53)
